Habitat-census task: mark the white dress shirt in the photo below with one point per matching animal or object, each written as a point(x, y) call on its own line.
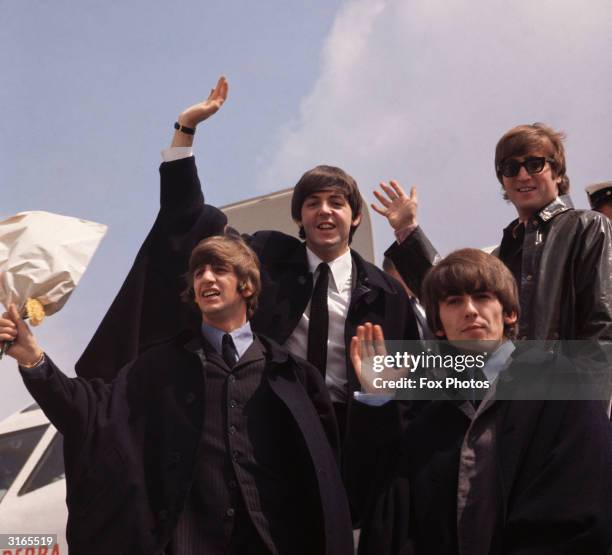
point(338, 301)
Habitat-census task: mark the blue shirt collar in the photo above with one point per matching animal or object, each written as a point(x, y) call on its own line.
point(498, 360)
point(242, 337)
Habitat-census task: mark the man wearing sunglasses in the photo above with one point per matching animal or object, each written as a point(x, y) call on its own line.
point(561, 258)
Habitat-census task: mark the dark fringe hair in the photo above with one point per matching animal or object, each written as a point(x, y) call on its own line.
point(469, 271)
point(323, 178)
point(524, 139)
point(226, 249)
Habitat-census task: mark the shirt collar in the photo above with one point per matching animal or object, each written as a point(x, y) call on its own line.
point(242, 337)
point(340, 269)
point(498, 360)
point(557, 206)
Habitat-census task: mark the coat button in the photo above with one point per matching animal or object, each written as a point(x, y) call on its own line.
point(230, 513)
point(529, 277)
point(232, 484)
point(190, 398)
point(175, 457)
point(232, 378)
point(233, 403)
point(232, 429)
point(162, 515)
point(235, 455)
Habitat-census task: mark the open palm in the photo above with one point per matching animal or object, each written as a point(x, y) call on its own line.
point(202, 110)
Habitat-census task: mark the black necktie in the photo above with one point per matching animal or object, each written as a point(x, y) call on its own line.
point(319, 321)
point(228, 351)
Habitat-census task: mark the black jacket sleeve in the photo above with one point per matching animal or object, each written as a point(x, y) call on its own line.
point(593, 280)
point(79, 408)
point(148, 310)
point(413, 257)
point(569, 459)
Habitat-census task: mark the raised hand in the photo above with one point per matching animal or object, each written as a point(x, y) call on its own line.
point(399, 208)
point(365, 346)
point(24, 349)
point(203, 110)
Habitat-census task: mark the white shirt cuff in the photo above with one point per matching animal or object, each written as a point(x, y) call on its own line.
point(176, 153)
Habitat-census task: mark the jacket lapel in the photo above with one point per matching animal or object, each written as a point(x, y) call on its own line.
point(293, 295)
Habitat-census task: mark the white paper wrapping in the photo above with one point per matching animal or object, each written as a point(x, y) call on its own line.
point(43, 256)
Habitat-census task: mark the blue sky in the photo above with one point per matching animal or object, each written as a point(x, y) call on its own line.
point(414, 90)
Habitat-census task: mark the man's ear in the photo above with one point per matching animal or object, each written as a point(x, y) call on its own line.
point(301, 232)
point(356, 221)
point(510, 318)
point(440, 334)
point(245, 289)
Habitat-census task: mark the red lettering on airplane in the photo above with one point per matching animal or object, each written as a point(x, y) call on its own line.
point(42, 550)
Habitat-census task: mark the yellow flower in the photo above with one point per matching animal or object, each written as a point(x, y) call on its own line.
point(35, 311)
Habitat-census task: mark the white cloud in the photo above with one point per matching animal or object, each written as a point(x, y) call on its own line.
point(422, 90)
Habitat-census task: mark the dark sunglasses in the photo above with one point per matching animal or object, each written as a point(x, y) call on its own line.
point(511, 167)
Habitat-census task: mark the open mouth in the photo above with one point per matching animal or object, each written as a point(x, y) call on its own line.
point(526, 189)
point(326, 226)
point(210, 293)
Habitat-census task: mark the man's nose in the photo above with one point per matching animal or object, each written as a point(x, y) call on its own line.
point(523, 174)
point(470, 307)
point(325, 208)
point(208, 276)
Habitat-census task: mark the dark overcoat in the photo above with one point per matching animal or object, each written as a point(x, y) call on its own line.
point(553, 477)
point(131, 447)
point(136, 320)
point(147, 310)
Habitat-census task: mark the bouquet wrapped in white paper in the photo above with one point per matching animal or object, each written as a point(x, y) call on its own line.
point(42, 259)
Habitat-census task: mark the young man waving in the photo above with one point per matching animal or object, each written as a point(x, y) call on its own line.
point(215, 443)
point(314, 293)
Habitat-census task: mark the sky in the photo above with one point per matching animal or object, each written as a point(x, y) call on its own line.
point(414, 90)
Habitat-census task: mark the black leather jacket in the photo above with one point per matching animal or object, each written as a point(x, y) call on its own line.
point(566, 272)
